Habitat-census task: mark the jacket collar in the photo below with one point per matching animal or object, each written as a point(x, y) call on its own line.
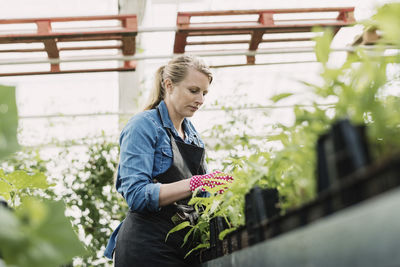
point(165, 119)
point(167, 122)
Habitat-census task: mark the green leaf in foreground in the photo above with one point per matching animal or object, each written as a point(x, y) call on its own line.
point(22, 180)
point(5, 189)
point(17, 181)
point(37, 235)
point(388, 20)
point(9, 121)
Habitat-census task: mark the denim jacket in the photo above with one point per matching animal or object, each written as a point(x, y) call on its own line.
point(145, 152)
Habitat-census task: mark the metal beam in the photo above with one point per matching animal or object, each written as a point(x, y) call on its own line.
point(210, 53)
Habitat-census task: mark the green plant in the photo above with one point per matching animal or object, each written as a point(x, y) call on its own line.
point(83, 171)
point(17, 185)
point(36, 232)
point(359, 87)
point(90, 194)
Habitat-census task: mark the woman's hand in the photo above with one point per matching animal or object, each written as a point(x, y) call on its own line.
point(210, 180)
point(169, 193)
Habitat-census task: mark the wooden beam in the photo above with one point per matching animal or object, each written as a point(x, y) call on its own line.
point(50, 45)
point(100, 47)
point(130, 64)
point(347, 16)
point(67, 19)
point(181, 37)
point(277, 40)
point(281, 40)
point(256, 38)
point(91, 38)
point(219, 42)
point(23, 50)
point(35, 39)
point(128, 46)
point(128, 42)
point(276, 11)
point(213, 32)
point(262, 27)
point(125, 33)
point(107, 35)
point(265, 19)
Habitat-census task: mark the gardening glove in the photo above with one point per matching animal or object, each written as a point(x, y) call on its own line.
point(210, 180)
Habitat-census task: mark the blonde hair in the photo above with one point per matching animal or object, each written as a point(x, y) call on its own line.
point(176, 70)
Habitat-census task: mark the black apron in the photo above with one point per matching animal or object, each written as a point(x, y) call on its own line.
point(141, 239)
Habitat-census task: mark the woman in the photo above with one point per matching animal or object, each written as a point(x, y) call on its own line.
point(161, 164)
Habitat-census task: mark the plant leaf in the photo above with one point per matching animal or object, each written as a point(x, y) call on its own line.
point(206, 245)
point(322, 45)
point(5, 189)
point(22, 180)
point(279, 97)
point(46, 240)
point(225, 232)
point(177, 228)
point(187, 236)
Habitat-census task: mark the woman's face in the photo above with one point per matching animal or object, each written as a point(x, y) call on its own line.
point(186, 97)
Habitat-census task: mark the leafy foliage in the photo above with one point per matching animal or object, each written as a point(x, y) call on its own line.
point(90, 194)
point(83, 172)
point(284, 160)
point(36, 233)
point(25, 159)
point(360, 86)
point(20, 183)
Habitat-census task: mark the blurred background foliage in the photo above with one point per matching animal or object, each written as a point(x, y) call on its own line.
point(83, 177)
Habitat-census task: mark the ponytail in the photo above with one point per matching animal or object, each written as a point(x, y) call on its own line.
point(157, 93)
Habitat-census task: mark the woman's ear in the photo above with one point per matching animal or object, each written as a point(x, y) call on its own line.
point(168, 85)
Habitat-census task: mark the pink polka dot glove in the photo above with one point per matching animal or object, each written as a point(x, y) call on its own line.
point(210, 180)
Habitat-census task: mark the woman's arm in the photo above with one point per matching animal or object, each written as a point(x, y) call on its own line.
point(169, 193)
point(137, 144)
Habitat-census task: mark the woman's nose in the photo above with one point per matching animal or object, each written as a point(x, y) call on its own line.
point(200, 99)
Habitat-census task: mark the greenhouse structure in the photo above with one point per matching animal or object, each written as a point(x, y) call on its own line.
point(199, 133)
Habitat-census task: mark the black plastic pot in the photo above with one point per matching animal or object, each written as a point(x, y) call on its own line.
point(217, 225)
point(261, 204)
point(342, 151)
